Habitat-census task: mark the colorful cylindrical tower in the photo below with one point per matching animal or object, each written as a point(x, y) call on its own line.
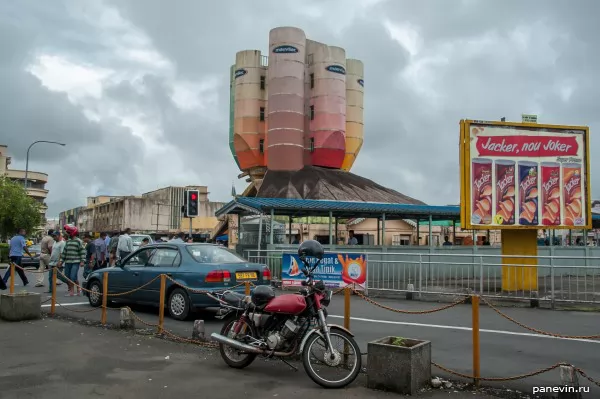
point(327, 107)
point(354, 111)
point(231, 112)
point(285, 78)
point(249, 109)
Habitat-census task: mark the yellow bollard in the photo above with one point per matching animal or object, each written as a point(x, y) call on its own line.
point(12, 278)
point(161, 306)
point(104, 296)
point(247, 284)
point(347, 308)
point(475, 316)
point(53, 303)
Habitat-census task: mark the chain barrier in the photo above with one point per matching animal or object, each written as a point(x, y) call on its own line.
point(513, 378)
point(109, 294)
point(35, 271)
point(535, 329)
point(198, 291)
point(371, 301)
point(584, 375)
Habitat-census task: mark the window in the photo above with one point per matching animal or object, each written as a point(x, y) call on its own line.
point(312, 80)
point(312, 144)
point(312, 112)
point(262, 114)
point(262, 82)
point(309, 59)
point(140, 258)
point(261, 145)
point(164, 257)
point(213, 254)
point(401, 239)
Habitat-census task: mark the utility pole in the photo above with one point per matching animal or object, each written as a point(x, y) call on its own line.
point(157, 216)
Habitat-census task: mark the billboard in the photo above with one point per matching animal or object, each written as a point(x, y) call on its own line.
point(337, 270)
point(524, 175)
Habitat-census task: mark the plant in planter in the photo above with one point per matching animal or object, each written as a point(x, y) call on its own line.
point(20, 306)
point(401, 365)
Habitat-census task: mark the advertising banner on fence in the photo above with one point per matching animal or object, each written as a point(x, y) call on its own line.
point(337, 270)
point(524, 176)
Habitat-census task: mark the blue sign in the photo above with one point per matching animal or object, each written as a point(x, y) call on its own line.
point(336, 270)
point(240, 72)
point(361, 82)
point(336, 69)
point(285, 49)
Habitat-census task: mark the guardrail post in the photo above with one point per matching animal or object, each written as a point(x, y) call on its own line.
point(481, 275)
point(247, 286)
point(420, 275)
point(53, 300)
point(104, 296)
point(161, 307)
point(12, 278)
point(476, 357)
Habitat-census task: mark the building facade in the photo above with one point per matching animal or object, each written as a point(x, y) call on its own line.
point(302, 105)
point(36, 181)
point(156, 212)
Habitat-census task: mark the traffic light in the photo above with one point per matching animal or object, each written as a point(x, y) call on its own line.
point(191, 203)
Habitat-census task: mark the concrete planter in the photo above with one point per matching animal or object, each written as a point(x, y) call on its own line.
point(20, 306)
point(403, 369)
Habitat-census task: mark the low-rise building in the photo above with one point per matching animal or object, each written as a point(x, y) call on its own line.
point(36, 181)
point(156, 212)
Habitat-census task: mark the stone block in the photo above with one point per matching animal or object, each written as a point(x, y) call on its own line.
point(127, 321)
point(198, 331)
point(20, 306)
point(402, 369)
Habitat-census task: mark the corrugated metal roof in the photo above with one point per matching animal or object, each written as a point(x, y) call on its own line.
point(283, 206)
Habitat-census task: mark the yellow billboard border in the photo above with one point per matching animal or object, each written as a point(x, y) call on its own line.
point(465, 175)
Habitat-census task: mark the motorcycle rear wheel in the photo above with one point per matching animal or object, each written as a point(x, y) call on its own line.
point(227, 352)
point(314, 374)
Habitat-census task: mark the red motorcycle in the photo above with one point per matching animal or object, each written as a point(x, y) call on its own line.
point(289, 325)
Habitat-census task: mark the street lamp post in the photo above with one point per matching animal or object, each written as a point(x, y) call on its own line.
point(27, 159)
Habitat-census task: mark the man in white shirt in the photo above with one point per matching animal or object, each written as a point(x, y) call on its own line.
point(57, 249)
point(125, 246)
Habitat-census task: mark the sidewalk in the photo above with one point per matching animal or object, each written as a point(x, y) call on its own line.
point(57, 359)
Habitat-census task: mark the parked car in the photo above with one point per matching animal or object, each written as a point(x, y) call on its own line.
point(34, 262)
point(137, 240)
point(196, 266)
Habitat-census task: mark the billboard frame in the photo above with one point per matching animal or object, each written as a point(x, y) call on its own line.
point(465, 174)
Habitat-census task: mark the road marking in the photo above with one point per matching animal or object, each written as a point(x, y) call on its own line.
point(66, 304)
point(465, 329)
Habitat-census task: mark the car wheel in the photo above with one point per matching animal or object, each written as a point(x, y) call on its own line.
point(95, 294)
point(179, 304)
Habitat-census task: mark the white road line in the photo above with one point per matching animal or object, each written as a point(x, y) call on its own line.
point(47, 305)
point(465, 329)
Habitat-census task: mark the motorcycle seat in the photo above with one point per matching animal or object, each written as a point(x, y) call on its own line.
point(234, 299)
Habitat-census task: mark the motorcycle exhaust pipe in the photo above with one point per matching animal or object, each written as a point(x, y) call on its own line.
point(245, 347)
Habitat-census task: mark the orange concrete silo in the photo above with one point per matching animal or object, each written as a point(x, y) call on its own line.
point(327, 106)
point(249, 109)
point(285, 78)
point(354, 111)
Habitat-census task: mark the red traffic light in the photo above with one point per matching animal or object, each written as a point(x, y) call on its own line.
point(194, 197)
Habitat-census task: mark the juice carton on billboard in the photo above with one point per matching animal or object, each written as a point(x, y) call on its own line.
point(337, 270)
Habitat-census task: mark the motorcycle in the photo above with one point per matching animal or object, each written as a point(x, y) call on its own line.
point(289, 325)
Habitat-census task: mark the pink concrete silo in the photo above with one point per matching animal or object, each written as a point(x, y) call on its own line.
point(327, 105)
point(285, 78)
point(249, 109)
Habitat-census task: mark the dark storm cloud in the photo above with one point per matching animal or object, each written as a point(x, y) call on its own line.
point(467, 59)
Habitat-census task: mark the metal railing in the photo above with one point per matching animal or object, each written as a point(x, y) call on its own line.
point(555, 278)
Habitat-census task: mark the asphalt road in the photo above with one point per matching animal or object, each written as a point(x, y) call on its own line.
point(506, 349)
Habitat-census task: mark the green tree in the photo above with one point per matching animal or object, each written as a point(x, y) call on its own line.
point(17, 209)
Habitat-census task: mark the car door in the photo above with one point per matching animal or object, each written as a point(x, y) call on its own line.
point(164, 260)
point(129, 277)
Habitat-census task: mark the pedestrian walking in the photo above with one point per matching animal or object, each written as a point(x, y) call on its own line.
point(17, 246)
point(46, 251)
point(73, 257)
point(55, 257)
point(90, 256)
point(100, 246)
point(112, 249)
point(125, 246)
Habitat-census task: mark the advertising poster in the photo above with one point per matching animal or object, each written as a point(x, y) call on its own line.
point(526, 176)
point(337, 270)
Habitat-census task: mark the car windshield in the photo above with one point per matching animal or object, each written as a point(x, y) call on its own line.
point(214, 254)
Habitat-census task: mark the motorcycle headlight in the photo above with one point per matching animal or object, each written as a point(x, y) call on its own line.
point(327, 299)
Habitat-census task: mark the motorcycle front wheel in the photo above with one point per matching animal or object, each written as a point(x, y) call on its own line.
point(232, 356)
point(322, 366)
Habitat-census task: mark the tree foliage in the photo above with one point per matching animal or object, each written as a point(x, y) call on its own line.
point(17, 209)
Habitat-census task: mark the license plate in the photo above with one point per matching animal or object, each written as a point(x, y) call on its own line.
point(246, 276)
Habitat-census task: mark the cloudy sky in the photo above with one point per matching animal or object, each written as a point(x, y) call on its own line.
point(139, 89)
